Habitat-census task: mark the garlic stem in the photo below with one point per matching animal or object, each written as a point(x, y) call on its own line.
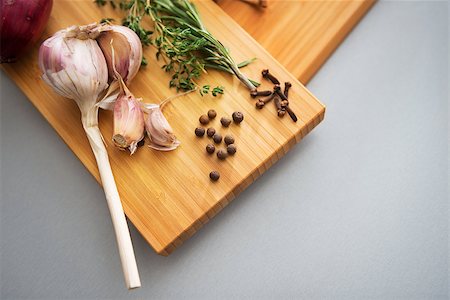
point(89, 119)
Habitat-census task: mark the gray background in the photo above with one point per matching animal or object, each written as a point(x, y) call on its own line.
point(359, 209)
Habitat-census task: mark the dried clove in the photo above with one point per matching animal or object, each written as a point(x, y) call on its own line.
point(255, 94)
point(261, 102)
point(266, 74)
point(291, 114)
point(287, 86)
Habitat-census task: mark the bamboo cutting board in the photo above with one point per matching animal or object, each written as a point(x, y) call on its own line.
point(300, 34)
point(168, 195)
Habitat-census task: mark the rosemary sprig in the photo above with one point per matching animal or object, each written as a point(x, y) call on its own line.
point(182, 41)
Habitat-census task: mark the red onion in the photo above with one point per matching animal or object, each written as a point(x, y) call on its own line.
point(21, 25)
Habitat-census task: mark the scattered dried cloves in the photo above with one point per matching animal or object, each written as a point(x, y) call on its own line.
point(265, 73)
point(287, 86)
point(255, 94)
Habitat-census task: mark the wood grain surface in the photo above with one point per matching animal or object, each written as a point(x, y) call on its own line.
point(300, 34)
point(168, 195)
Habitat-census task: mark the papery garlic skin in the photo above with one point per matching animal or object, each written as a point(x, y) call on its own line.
point(127, 48)
point(75, 68)
point(128, 122)
point(159, 131)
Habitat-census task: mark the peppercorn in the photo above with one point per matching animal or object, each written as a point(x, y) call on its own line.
point(222, 154)
point(214, 175)
point(210, 132)
point(225, 121)
point(217, 138)
point(212, 114)
point(228, 139)
point(238, 117)
point(231, 149)
point(203, 119)
point(199, 131)
point(210, 148)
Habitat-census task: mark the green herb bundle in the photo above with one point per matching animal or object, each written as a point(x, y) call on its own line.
point(182, 41)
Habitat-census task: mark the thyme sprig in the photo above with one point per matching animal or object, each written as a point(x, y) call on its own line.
point(182, 41)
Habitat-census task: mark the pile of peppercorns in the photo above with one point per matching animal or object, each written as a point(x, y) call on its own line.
point(282, 105)
point(230, 149)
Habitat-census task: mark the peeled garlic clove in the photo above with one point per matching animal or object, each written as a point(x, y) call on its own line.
point(128, 122)
point(127, 50)
point(159, 131)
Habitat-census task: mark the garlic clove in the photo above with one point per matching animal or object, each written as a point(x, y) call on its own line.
point(128, 51)
point(159, 131)
point(128, 122)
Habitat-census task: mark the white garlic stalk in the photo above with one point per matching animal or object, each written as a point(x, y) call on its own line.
point(74, 66)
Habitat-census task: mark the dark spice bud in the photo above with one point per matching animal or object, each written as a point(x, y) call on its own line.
point(228, 139)
point(291, 114)
point(217, 138)
point(212, 114)
point(238, 117)
point(265, 73)
point(277, 103)
point(203, 119)
point(199, 131)
point(214, 175)
point(287, 86)
point(210, 148)
point(225, 121)
point(231, 149)
point(222, 154)
point(277, 90)
point(255, 94)
point(281, 113)
point(284, 103)
point(260, 104)
point(210, 132)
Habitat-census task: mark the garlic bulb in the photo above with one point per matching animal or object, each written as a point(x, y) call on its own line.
point(73, 64)
point(128, 120)
point(128, 51)
point(159, 131)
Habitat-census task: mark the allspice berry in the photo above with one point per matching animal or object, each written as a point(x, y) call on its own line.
point(210, 148)
point(228, 139)
point(225, 121)
point(212, 114)
point(231, 149)
point(222, 154)
point(238, 117)
point(217, 138)
point(199, 131)
point(210, 132)
point(214, 175)
point(203, 119)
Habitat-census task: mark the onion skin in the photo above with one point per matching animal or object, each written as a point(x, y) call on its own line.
point(21, 24)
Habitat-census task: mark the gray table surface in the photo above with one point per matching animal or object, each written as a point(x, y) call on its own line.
point(359, 209)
